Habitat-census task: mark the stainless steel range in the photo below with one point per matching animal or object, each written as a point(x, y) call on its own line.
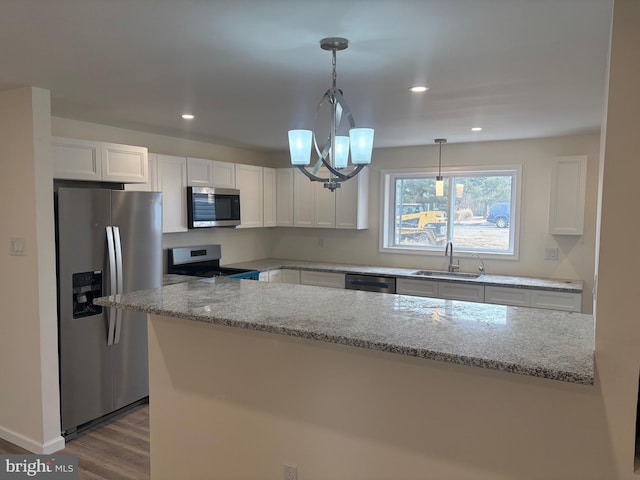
point(204, 261)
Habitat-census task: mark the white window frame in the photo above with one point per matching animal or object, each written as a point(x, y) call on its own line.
point(387, 208)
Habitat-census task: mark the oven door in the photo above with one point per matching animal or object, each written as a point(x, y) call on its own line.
point(213, 207)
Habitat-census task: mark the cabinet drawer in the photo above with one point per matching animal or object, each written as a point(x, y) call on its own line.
point(461, 291)
point(322, 279)
point(507, 296)
point(414, 286)
point(570, 302)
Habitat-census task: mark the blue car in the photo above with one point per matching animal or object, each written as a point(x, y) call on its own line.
point(500, 214)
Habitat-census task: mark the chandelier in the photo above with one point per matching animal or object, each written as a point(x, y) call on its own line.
point(343, 136)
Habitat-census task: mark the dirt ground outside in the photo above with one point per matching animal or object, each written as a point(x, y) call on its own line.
point(475, 233)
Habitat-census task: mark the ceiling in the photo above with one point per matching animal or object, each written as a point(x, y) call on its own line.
point(249, 70)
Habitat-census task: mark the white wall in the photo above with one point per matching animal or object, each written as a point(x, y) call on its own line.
point(29, 397)
point(576, 253)
point(616, 311)
point(238, 245)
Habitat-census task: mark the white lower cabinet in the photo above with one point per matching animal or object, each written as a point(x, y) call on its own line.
point(518, 297)
point(570, 302)
point(417, 287)
point(322, 279)
point(284, 275)
point(436, 289)
point(524, 297)
point(290, 276)
point(461, 291)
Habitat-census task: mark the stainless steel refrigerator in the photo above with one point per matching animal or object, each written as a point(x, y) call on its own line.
point(108, 242)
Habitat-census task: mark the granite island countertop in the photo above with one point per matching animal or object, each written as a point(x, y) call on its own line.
point(263, 265)
point(542, 343)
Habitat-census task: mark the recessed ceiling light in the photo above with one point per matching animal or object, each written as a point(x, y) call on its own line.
point(419, 89)
point(187, 116)
point(476, 129)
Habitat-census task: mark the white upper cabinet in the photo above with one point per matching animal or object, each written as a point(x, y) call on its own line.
point(284, 197)
point(269, 195)
point(325, 205)
point(210, 173)
point(313, 205)
point(303, 200)
point(152, 184)
point(316, 206)
point(352, 202)
point(249, 182)
point(124, 163)
point(172, 182)
point(75, 159)
point(568, 185)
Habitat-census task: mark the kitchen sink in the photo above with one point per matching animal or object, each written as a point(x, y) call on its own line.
point(441, 273)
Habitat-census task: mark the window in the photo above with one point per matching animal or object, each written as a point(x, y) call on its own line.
point(478, 212)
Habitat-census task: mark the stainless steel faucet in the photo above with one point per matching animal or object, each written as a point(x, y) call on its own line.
point(449, 251)
point(481, 267)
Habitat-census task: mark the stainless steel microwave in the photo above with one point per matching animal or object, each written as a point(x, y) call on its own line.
point(213, 207)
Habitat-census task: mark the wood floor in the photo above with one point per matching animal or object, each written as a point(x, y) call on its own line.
point(116, 450)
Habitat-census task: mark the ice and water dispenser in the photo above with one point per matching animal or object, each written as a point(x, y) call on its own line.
point(86, 287)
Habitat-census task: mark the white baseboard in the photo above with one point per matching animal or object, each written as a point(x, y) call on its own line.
point(50, 446)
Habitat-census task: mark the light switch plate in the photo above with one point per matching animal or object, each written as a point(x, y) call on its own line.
point(17, 246)
point(551, 253)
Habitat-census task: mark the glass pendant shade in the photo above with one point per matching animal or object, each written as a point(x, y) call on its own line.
point(341, 156)
point(439, 187)
point(459, 190)
point(300, 146)
point(361, 145)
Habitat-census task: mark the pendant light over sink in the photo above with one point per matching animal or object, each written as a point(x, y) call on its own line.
point(343, 136)
point(439, 179)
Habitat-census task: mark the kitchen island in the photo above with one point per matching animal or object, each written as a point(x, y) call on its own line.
point(248, 376)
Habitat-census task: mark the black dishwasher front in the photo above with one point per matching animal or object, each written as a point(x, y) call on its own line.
point(370, 283)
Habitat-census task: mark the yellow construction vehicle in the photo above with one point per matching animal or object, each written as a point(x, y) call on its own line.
point(425, 226)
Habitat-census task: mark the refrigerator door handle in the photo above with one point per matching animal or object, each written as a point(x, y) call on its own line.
point(119, 277)
point(113, 312)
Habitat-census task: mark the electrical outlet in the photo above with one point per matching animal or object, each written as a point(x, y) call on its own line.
point(17, 246)
point(551, 253)
point(290, 472)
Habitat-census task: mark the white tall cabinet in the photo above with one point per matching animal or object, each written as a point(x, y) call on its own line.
point(172, 182)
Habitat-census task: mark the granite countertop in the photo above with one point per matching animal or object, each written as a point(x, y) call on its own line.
point(542, 343)
point(172, 279)
point(570, 286)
